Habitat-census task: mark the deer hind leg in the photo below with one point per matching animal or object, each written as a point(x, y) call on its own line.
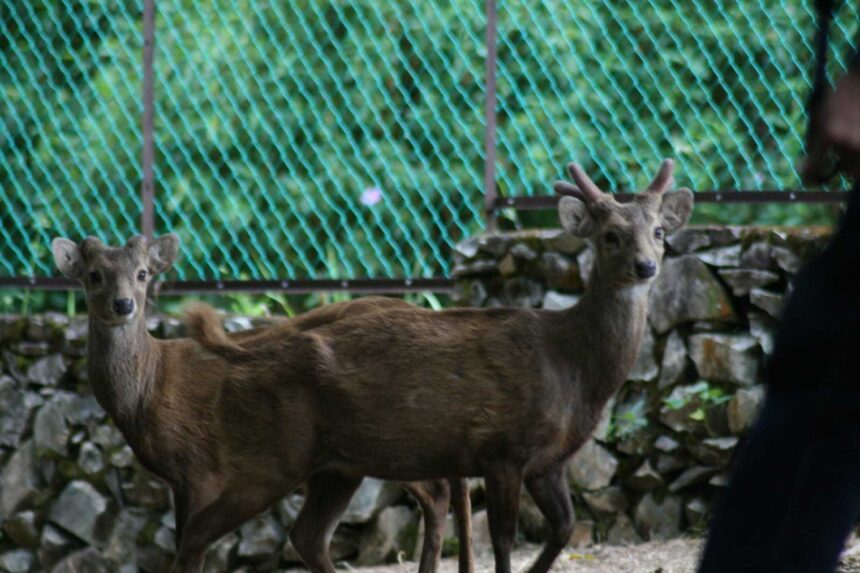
point(434, 497)
point(503, 483)
point(552, 497)
point(463, 514)
point(328, 496)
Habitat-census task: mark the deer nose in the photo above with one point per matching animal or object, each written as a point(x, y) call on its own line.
point(645, 269)
point(123, 306)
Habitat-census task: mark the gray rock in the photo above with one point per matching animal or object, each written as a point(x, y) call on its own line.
point(47, 371)
point(84, 409)
point(606, 501)
point(769, 301)
point(165, 539)
point(508, 266)
point(719, 480)
point(742, 281)
point(496, 244)
point(77, 329)
point(237, 323)
point(482, 543)
point(523, 252)
point(523, 293)
point(622, 532)
point(467, 249)
point(371, 497)
point(90, 459)
point(122, 458)
point(714, 451)
point(107, 436)
point(674, 361)
point(722, 257)
point(16, 407)
point(22, 530)
point(53, 544)
point(218, 556)
point(476, 267)
point(658, 520)
point(645, 368)
point(696, 511)
point(744, 407)
point(78, 510)
point(685, 291)
point(87, 560)
point(786, 260)
point(688, 240)
point(560, 272)
point(531, 520)
point(668, 463)
point(17, 561)
point(666, 444)
point(680, 404)
point(601, 431)
point(472, 292)
point(288, 509)
point(260, 538)
point(583, 534)
point(121, 545)
point(592, 467)
point(758, 255)
point(553, 300)
point(692, 476)
point(762, 328)
point(51, 429)
point(20, 480)
point(726, 357)
point(645, 478)
point(387, 538)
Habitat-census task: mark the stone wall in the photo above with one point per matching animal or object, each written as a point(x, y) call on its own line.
point(660, 454)
point(72, 496)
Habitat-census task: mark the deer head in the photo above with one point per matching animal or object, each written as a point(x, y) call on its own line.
point(115, 278)
point(627, 237)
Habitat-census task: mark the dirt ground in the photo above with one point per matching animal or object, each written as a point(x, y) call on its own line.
point(675, 556)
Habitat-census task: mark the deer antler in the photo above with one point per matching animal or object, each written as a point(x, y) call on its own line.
point(589, 190)
point(663, 180)
point(565, 188)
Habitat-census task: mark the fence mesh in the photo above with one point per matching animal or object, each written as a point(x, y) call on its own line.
point(312, 139)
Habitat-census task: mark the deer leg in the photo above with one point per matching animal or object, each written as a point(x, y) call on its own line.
point(551, 495)
point(230, 509)
point(327, 497)
point(180, 513)
point(434, 497)
point(463, 515)
point(503, 485)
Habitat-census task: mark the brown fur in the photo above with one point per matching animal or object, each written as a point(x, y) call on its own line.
point(200, 416)
point(507, 394)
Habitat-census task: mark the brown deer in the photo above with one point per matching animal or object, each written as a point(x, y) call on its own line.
point(170, 399)
point(409, 394)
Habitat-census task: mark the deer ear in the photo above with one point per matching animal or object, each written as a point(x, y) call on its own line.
point(676, 208)
point(162, 253)
point(575, 217)
point(68, 257)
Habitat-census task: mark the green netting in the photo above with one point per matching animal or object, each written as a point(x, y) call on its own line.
point(313, 139)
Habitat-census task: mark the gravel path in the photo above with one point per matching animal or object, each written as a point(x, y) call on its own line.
point(675, 556)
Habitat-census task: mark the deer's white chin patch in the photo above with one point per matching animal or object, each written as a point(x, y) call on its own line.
point(638, 290)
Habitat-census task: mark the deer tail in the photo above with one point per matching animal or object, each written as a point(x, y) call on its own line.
point(204, 326)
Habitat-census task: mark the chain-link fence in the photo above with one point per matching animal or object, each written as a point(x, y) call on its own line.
point(312, 139)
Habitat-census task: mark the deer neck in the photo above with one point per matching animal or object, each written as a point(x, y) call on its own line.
point(602, 335)
point(123, 363)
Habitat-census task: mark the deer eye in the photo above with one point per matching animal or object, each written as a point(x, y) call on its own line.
point(659, 233)
point(95, 278)
point(141, 275)
point(610, 238)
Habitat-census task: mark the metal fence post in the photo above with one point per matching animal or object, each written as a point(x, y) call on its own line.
point(490, 191)
point(147, 190)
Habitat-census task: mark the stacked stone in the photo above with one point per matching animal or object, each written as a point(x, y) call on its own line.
point(660, 454)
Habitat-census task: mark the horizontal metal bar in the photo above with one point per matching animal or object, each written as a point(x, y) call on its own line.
point(539, 202)
point(290, 286)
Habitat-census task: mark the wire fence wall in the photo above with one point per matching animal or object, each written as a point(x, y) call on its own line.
point(344, 139)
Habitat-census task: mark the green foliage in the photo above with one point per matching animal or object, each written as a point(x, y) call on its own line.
point(318, 139)
point(629, 419)
point(703, 394)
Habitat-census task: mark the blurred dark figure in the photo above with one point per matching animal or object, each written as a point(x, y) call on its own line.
point(794, 495)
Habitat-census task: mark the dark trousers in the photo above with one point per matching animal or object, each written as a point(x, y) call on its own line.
point(795, 491)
